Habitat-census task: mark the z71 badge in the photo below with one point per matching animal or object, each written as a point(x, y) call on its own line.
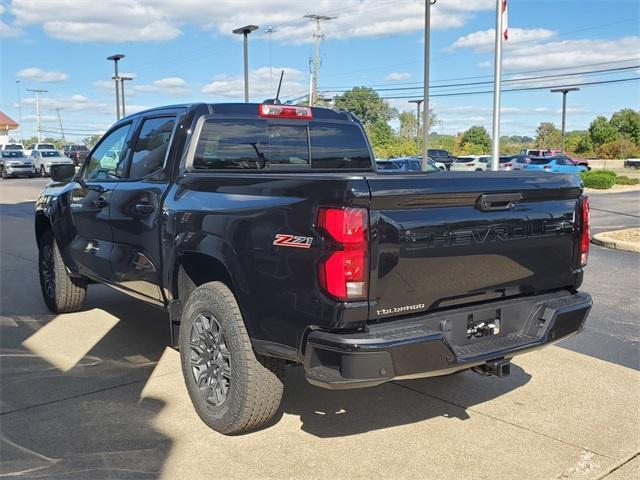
point(295, 241)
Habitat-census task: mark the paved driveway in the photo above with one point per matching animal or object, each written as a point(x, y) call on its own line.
point(98, 394)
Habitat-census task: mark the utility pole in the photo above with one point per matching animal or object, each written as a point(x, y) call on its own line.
point(122, 80)
point(19, 111)
point(417, 102)
point(564, 106)
point(60, 122)
point(115, 58)
point(245, 31)
point(38, 126)
point(316, 55)
point(424, 164)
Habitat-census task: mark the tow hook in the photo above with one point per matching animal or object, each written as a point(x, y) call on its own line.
point(494, 368)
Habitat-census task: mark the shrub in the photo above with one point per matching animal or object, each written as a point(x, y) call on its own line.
point(600, 182)
point(609, 173)
point(622, 180)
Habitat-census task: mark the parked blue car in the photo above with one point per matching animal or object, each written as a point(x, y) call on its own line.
point(557, 164)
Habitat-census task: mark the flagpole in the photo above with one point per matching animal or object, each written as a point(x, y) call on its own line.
point(497, 76)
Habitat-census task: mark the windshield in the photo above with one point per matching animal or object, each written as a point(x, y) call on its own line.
point(13, 146)
point(50, 154)
point(46, 146)
point(505, 159)
point(14, 154)
point(388, 166)
point(540, 161)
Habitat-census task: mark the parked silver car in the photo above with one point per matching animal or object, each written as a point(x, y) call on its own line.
point(43, 159)
point(14, 163)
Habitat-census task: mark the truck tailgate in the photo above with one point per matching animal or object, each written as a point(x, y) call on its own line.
point(445, 239)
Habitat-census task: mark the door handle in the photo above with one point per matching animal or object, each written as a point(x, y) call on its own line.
point(498, 201)
point(100, 203)
point(144, 208)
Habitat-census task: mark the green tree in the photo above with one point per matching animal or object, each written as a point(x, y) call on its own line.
point(548, 136)
point(408, 125)
point(92, 140)
point(601, 131)
point(366, 104)
point(627, 123)
point(475, 140)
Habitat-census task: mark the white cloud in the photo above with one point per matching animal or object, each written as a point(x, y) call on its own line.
point(570, 53)
point(230, 86)
point(141, 20)
point(483, 40)
point(73, 103)
point(398, 76)
point(34, 74)
point(171, 86)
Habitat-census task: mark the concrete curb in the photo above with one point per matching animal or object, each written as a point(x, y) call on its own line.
point(604, 240)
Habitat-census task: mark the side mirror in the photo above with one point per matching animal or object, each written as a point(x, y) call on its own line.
point(62, 173)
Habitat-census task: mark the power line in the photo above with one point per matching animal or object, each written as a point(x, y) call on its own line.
point(512, 80)
point(521, 72)
point(524, 89)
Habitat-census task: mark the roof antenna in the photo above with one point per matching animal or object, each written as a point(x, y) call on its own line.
point(276, 101)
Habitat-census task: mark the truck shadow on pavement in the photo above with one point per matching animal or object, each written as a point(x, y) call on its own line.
point(327, 414)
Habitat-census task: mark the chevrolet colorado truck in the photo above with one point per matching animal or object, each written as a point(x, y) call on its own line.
point(269, 237)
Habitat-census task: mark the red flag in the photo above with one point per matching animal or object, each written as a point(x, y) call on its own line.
point(505, 20)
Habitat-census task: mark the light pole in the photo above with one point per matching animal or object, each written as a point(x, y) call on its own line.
point(38, 127)
point(115, 58)
point(245, 31)
point(122, 80)
point(19, 111)
point(425, 95)
point(270, 30)
point(417, 102)
point(564, 106)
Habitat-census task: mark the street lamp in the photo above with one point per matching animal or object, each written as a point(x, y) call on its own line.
point(245, 31)
point(418, 103)
point(122, 80)
point(19, 111)
point(115, 58)
point(564, 106)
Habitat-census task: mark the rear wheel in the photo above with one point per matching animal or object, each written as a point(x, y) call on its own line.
point(232, 388)
point(61, 293)
point(3, 173)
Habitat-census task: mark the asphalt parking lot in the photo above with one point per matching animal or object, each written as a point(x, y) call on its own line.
point(98, 394)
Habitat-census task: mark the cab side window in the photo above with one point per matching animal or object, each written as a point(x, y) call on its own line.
point(107, 160)
point(151, 147)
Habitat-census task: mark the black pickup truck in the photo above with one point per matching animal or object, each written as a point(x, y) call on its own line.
point(269, 237)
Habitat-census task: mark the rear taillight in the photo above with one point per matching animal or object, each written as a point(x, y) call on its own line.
point(547, 167)
point(507, 165)
point(471, 164)
point(344, 273)
point(585, 234)
point(285, 111)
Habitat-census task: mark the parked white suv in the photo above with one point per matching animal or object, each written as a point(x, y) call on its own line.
point(43, 159)
point(12, 146)
point(471, 163)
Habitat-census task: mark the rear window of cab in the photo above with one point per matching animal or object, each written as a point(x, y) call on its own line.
point(239, 144)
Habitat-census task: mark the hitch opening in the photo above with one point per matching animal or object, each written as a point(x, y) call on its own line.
point(494, 368)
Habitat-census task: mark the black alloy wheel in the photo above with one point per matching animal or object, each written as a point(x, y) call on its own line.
point(210, 359)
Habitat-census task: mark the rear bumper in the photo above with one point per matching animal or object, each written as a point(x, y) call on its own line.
point(437, 344)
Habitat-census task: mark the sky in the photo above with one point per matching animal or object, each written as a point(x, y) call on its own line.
point(181, 51)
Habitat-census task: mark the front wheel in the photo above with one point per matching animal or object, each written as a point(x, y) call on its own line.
point(43, 172)
point(61, 293)
point(233, 389)
point(3, 173)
